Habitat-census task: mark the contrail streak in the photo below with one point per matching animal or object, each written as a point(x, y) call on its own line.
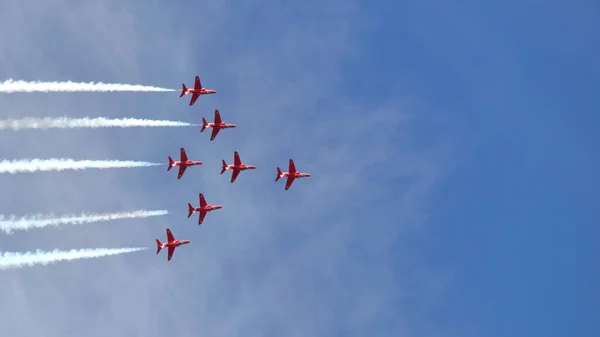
point(10, 86)
point(77, 123)
point(62, 164)
point(13, 223)
point(10, 260)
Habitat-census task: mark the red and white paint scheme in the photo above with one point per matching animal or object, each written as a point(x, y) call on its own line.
point(203, 209)
point(217, 125)
point(291, 175)
point(171, 244)
point(237, 166)
point(183, 163)
point(196, 91)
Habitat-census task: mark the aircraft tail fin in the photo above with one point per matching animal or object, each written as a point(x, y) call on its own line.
point(224, 168)
point(190, 210)
point(279, 173)
point(183, 90)
point(204, 124)
point(158, 246)
point(171, 162)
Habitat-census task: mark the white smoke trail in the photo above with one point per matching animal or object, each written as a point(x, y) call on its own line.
point(10, 86)
point(11, 223)
point(62, 164)
point(10, 260)
point(76, 123)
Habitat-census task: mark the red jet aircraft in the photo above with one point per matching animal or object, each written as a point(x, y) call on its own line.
point(237, 166)
point(196, 91)
point(216, 126)
point(291, 175)
point(203, 209)
point(183, 163)
point(171, 244)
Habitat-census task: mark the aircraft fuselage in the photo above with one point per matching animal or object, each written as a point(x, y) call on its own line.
point(201, 92)
point(222, 126)
point(187, 163)
point(208, 208)
point(296, 175)
point(242, 167)
point(175, 243)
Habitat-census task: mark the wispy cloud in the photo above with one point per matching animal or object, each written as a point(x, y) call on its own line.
point(310, 261)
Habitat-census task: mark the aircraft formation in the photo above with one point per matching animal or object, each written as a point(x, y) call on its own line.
point(238, 166)
point(9, 260)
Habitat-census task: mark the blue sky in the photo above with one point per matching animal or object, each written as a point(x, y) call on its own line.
point(452, 147)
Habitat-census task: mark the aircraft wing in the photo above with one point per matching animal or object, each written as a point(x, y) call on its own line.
point(236, 159)
point(197, 84)
point(170, 253)
point(201, 217)
point(183, 155)
point(170, 237)
point(182, 169)
point(218, 120)
point(215, 131)
point(292, 168)
point(194, 98)
point(289, 182)
point(234, 175)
